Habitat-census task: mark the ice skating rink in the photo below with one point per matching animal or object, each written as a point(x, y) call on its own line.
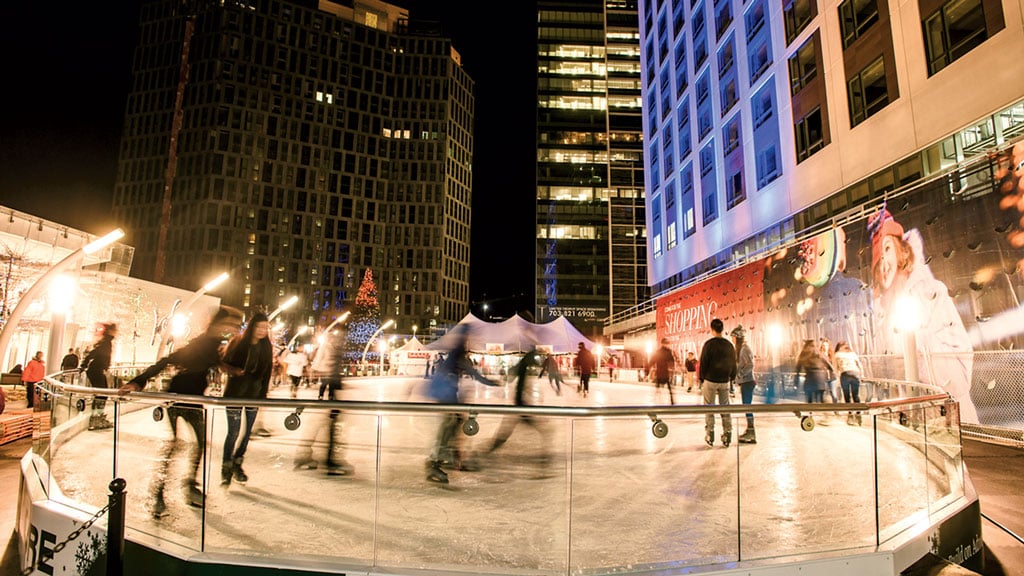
point(576, 493)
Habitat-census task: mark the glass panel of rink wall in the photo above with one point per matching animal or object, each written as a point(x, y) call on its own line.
point(505, 510)
point(639, 502)
point(920, 465)
point(803, 492)
point(150, 454)
point(291, 506)
point(80, 461)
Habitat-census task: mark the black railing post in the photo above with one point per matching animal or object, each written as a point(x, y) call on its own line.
point(115, 528)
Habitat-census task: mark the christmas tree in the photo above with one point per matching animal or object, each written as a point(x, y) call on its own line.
point(364, 322)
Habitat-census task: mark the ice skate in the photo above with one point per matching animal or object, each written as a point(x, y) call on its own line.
point(727, 439)
point(193, 495)
point(435, 474)
point(342, 468)
point(157, 507)
point(306, 464)
point(240, 476)
point(860, 421)
point(748, 437)
point(225, 474)
point(100, 422)
point(469, 465)
point(709, 439)
point(851, 419)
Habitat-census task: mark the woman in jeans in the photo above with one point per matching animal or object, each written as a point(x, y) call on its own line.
point(815, 369)
point(251, 358)
point(850, 369)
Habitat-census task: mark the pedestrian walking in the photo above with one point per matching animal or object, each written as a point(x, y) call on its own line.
point(661, 366)
point(95, 365)
point(444, 388)
point(584, 365)
point(717, 370)
point(33, 373)
point(194, 362)
point(745, 379)
point(327, 364)
point(610, 364)
point(249, 361)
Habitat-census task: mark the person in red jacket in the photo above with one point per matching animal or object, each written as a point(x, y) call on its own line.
point(34, 373)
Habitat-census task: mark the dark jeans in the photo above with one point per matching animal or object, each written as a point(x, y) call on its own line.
point(667, 383)
point(234, 415)
point(195, 417)
point(97, 379)
point(747, 396)
point(851, 386)
point(814, 395)
point(30, 394)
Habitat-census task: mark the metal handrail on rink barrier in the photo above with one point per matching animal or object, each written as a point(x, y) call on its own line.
point(543, 502)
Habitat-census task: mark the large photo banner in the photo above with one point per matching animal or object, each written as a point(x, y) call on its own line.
point(935, 275)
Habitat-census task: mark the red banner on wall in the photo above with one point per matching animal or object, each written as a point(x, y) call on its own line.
point(736, 297)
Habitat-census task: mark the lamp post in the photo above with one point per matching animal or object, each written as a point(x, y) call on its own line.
point(774, 341)
point(62, 296)
point(370, 341)
point(73, 260)
point(179, 321)
point(907, 319)
point(298, 333)
point(284, 306)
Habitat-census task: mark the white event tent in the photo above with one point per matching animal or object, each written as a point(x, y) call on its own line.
point(515, 335)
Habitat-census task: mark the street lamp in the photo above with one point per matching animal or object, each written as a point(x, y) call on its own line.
point(178, 321)
point(62, 296)
point(774, 341)
point(370, 341)
point(73, 260)
point(298, 333)
point(284, 306)
point(907, 319)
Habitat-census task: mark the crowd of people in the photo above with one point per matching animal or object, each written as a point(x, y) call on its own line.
point(247, 359)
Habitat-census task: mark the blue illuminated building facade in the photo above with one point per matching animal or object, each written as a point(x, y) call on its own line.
point(763, 119)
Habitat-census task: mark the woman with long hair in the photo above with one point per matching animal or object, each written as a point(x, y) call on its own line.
point(95, 365)
point(250, 357)
point(815, 369)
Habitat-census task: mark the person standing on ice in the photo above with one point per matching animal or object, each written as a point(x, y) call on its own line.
point(251, 355)
point(327, 365)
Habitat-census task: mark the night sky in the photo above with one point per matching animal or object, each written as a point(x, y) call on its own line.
point(67, 80)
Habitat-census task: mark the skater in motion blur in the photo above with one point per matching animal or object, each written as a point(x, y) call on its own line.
point(815, 369)
point(95, 366)
point(509, 423)
point(327, 365)
point(250, 358)
point(661, 366)
point(193, 361)
point(550, 367)
point(585, 366)
point(444, 388)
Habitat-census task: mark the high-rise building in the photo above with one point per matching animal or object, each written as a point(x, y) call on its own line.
point(768, 120)
point(295, 145)
point(590, 249)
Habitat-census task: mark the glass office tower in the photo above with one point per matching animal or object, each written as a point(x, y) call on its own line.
point(590, 181)
point(296, 146)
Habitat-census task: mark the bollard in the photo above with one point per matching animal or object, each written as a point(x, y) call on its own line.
point(115, 528)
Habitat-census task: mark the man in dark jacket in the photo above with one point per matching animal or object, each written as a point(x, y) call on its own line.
point(717, 370)
point(194, 362)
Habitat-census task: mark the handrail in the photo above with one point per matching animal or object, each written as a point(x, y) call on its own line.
point(636, 410)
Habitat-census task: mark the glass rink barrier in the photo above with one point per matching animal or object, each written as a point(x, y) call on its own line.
point(614, 482)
